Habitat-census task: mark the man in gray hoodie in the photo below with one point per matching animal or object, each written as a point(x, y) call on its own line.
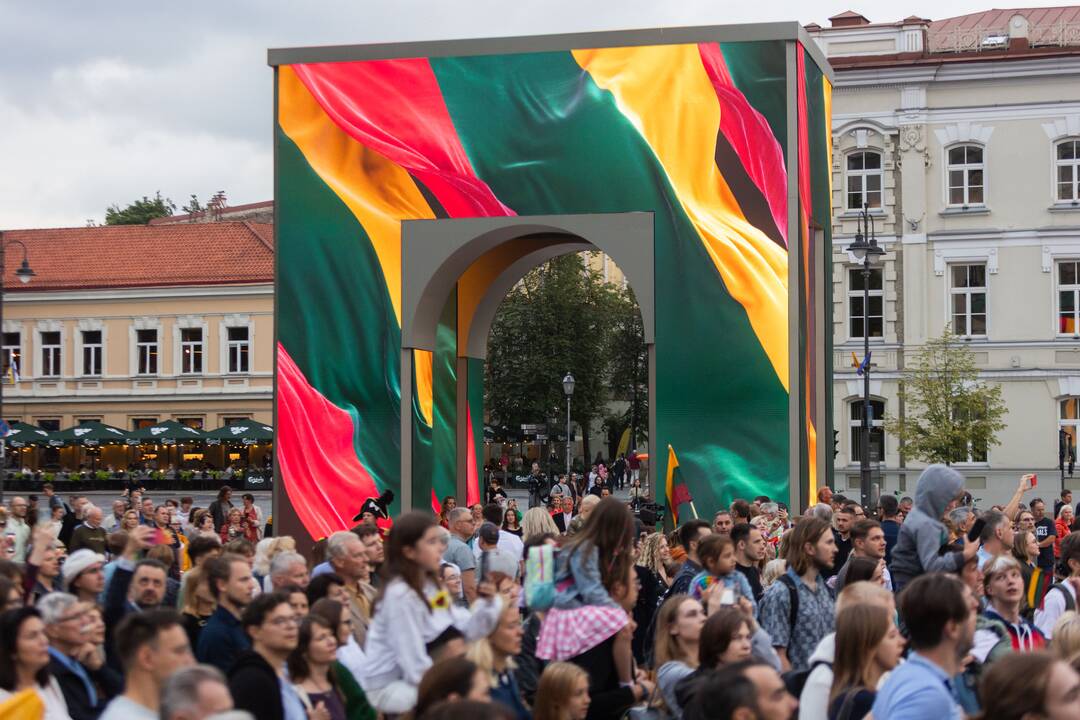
point(923, 543)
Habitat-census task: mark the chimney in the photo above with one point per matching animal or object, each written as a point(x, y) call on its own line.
point(849, 18)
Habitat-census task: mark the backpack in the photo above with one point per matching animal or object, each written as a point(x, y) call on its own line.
point(540, 578)
point(1070, 601)
point(795, 680)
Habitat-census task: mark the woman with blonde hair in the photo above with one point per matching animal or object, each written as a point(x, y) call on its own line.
point(654, 556)
point(1066, 644)
point(537, 521)
point(563, 693)
point(868, 645)
point(675, 650)
point(198, 605)
point(265, 552)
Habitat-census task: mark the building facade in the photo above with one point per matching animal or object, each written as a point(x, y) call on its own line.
point(962, 137)
point(132, 325)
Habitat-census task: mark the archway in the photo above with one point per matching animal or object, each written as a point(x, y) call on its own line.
point(456, 273)
point(462, 163)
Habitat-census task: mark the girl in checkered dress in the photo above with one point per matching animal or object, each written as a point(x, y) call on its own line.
point(584, 614)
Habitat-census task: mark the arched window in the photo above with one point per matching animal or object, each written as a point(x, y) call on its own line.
point(864, 180)
point(877, 430)
point(965, 175)
point(1067, 170)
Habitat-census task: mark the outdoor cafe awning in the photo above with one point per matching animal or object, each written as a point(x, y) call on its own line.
point(241, 432)
point(23, 434)
point(168, 432)
point(91, 434)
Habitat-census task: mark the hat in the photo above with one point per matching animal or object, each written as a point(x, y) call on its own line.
point(79, 562)
point(379, 507)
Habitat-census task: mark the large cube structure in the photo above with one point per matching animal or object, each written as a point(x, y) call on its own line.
point(416, 183)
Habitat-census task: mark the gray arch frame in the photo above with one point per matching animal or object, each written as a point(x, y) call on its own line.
point(436, 253)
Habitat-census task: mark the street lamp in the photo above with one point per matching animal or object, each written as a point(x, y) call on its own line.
point(568, 388)
point(866, 251)
point(24, 273)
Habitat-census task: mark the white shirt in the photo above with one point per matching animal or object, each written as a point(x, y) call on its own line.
point(1053, 606)
point(508, 542)
point(51, 695)
point(395, 648)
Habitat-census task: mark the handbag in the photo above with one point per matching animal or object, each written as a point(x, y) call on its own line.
point(649, 710)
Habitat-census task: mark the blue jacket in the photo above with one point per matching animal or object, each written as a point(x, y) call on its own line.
point(577, 580)
point(222, 640)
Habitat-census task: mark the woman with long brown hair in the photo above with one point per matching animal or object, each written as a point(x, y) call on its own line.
point(868, 645)
point(1020, 686)
point(584, 614)
point(679, 622)
point(311, 667)
point(413, 610)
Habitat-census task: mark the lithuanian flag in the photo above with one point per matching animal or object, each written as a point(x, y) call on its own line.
point(677, 494)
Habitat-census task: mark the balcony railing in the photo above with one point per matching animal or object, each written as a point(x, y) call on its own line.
point(985, 39)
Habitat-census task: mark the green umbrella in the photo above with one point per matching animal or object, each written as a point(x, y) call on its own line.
point(23, 434)
point(90, 434)
point(247, 432)
point(168, 432)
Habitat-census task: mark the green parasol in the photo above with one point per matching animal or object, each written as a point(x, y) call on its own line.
point(246, 432)
point(90, 434)
point(168, 432)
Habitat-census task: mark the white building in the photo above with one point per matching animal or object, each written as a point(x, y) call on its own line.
point(963, 137)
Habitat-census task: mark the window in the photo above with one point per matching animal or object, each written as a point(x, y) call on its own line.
point(1068, 297)
point(1067, 171)
point(191, 351)
point(91, 352)
point(50, 354)
point(968, 300)
point(857, 317)
point(11, 359)
point(864, 180)
point(146, 348)
point(142, 423)
point(965, 175)
point(48, 424)
point(1070, 421)
point(230, 419)
point(239, 348)
point(191, 422)
point(877, 430)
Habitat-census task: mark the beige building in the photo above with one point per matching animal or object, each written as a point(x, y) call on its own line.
point(131, 325)
point(963, 137)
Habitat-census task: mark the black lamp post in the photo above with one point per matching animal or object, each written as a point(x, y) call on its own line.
point(24, 273)
point(866, 251)
point(568, 388)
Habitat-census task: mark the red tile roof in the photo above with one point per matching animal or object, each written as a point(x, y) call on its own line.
point(126, 256)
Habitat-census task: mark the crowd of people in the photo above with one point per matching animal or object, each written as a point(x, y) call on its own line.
point(575, 609)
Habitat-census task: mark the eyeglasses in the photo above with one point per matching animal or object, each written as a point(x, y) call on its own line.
point(285, 621)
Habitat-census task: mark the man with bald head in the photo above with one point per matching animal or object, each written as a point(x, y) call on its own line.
point(90, 534)
point(19, 527)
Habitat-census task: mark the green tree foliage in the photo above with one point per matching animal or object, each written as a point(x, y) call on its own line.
point(141, 211)
point(194, 207)
point(950, 415)
point(563, 317)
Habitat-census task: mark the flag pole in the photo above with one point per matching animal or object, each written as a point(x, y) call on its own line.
point(693, 510)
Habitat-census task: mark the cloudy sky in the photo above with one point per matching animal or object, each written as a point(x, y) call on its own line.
point(103, 102)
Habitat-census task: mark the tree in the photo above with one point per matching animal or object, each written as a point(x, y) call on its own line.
point(140, 212)
point(561, 317)
point(950, 415)
point(629, 379)
point(194, 207)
